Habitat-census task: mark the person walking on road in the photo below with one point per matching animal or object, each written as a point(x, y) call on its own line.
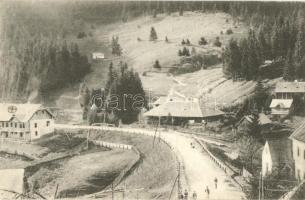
point(215, 180)
point(186, 194)
point(207, 190)
point(194, 195)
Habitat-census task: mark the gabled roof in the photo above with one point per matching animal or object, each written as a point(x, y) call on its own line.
point(176, 109)
point(292, 87)
point(23, 113)
point(281, 103)
point(299, 133)
point(280, 150)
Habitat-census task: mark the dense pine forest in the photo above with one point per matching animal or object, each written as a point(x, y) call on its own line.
point(37, 53)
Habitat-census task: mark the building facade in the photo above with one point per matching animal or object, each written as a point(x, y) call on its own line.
point(277, 156)
point(25, 121)
point(298, 149)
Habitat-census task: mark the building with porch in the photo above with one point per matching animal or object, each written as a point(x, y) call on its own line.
point(177, 109)
point(285, 92)
point(25, 121)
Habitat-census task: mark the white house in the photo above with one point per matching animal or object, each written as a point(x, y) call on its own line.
point(277, 155)
point(298, 149)
point(25, 121)
point(282, 104)
point(97, 56)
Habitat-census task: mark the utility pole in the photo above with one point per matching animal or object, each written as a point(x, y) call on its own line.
point(112, 192)
point(88, 139)
point(259, 186)
point(262, 187)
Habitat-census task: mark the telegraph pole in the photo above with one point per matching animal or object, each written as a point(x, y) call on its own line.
point(262, 187)
point(259, 186)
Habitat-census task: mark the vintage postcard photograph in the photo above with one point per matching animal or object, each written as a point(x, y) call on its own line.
point(152, 100)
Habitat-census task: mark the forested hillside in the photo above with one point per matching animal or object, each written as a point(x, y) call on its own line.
point(40, 51)
point(277, 35)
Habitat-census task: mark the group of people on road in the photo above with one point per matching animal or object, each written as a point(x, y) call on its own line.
point(185, 195)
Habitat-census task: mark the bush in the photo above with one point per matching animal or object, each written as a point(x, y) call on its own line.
point(81, 35)
point(139, 39)
point(157, 65)
point(144, 74)
point(188, 42)
point(90, 34)
point(217, 42)
point(183, 42)
point(202, 41)
point(185, 52)
point(229, 31)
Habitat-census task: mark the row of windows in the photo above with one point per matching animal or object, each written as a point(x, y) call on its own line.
point(20, 125)
point(13, 124)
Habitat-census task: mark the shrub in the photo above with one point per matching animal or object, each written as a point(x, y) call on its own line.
point(180, 53)
point(188, 42)
point(183, 42)
point(229, 31)
point(81, 35)
point(157, 65)
point(217, 42)
point(139, 39)
point(202, 41)
point(90, 34)
point(144, 74)
point(166, 39)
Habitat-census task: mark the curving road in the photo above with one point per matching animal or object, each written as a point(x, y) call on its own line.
point(200, 170)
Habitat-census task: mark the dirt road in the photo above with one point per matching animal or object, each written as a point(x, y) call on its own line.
point(200, 170)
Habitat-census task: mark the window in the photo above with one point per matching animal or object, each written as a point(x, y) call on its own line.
point(11, 124)
point(23, 125)
point(20, 125)
point(35, 125)
point(21, 134)
point(304, 154)
point(36, 133)
point(298, 151)
point(6, 124)
point(48, 123)
point(15, 124)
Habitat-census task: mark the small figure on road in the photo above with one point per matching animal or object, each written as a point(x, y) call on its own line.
point(194, 195)
point(186, 194)
point(215, 180)
point(207, 190)
point(181, 196)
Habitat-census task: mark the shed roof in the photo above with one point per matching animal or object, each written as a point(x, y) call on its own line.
point(291, 87)
point(281, 103)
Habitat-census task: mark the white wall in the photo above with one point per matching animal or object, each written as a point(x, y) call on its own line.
point(299, 160)
point(41, 128)
point(12, 180)
point(266, 160)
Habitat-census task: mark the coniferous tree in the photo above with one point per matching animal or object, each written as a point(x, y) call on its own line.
point(289, 71)
point(153, 34)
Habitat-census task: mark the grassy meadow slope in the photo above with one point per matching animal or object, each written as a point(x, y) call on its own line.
point(192, 25)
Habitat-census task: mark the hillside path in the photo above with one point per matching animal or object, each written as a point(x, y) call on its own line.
point(200, 170)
